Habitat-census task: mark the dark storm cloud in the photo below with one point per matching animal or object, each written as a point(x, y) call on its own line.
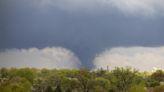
point(27, 24)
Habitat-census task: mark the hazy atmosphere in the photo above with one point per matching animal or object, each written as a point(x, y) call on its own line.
point(82, 33)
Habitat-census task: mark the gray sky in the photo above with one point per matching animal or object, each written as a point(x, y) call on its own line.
point(86, 27)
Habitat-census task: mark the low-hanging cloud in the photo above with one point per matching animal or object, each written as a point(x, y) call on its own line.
point(141, 58)
point(54, 57)
point(141, 7)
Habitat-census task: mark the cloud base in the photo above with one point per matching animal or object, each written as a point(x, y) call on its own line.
point(141, 58)
point(54, 57)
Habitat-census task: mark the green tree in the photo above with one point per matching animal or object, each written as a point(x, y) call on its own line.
point(158, 75)
point(137, 87)
point(16, 85)
point(29, 74)
point(84, 76)
point(4, 73)
point(151, 82)
point(122, 78)
point(70, 84)
point(100, 84)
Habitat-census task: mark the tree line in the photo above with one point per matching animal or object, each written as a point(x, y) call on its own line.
point(80, 80)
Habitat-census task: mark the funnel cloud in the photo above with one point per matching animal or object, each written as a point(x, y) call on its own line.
point(69, 33)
